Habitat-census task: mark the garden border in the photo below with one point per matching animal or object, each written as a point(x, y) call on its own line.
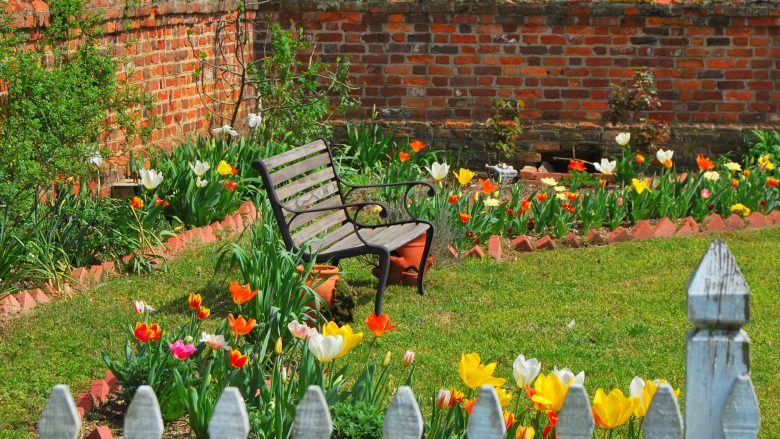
point(83, 278)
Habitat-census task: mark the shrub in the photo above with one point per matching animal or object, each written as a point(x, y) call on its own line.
point(356, 421)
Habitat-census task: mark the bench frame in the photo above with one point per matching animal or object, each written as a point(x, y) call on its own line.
point(368, 248)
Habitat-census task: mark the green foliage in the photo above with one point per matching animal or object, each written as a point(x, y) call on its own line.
point(506, 125)
point(365, 151)
point(356, 420)
point(57, 102)
point(630, 107)
point(766, 142)
point(296, 90)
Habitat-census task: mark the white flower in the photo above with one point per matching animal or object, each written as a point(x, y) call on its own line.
point(622, 139)
point(438, 170)
point(560, 188)
point(636, 388)
point(225, 129)
point(733, 167)
point(213, 341)
point(712, 175)
point(254, 120)
point(300, 330)
point(200, 168)
point(325, 348)
point(560, 196)
point(150, 178)
point(140, 307)
point(566, 375)
point(606, 167)
point(549, 181)
point(525, 371)
point(96, 159)
point(201, 182)
point(665, 157)
point(491, 202)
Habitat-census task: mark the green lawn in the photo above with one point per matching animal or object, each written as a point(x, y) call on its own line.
point(628, 302)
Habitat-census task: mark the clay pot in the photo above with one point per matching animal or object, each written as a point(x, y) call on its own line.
point(412, 251)
point(324, 288)
point(403, 272)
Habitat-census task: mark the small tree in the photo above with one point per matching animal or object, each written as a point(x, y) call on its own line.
point(630, 108)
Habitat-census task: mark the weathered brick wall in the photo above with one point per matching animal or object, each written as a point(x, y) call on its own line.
point(434, 68)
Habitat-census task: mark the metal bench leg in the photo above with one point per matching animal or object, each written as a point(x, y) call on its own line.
point(384, 270)
point(424, 261)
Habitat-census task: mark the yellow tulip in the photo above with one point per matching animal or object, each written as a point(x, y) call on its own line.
point(474, 374)
point(350, 339)
point(504, 396)
point(464, 176)
point(645, 391)
point(613, 410)
point(640, 185)
point(278, 346)
point(223, 168)
point(388, 359)
point(525, 433)
point(549, 392)
point(765, 162)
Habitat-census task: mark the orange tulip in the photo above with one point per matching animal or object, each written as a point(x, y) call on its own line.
point(735, 183)
point(704, 163)
point(542, 197)
point(509, 419)
point(233, 170)
point(464, 217)
point(639, 159)
point(203, 313)
point(194, 301)
point(416, 145)
point(468, 404)
point(525, 205)
point(144, 332)
point(240, 326)
point(488, 187)
point(241, 294)
point(230, 185)
point(403, 156)
point(379, 324)
point(772, 182)
point(453, 199)
point(136, 203)
point(238, 360)
point(577, 165)
point(161, 202)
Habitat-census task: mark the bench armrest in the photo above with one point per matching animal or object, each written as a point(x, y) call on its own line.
point(410, 185)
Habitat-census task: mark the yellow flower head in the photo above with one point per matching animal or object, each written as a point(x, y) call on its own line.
point(613, 410)
point(474, 374)
point(504, 396)
point(464, 176)
point(640, 185)
point(740, 209)
point(350, 339)
point(765, 162)
point(646, 394)
point(549, 392)
point(525, 432)
point(223, 168)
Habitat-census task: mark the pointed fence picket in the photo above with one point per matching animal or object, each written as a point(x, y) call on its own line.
point(721, 400)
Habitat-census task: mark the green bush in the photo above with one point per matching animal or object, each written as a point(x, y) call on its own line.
point(356, 421)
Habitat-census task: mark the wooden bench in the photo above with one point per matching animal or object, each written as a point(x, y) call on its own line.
point(309, 202)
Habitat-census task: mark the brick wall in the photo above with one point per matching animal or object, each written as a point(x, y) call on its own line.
point(434, 68)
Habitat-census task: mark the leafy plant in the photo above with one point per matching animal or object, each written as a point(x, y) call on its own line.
point(366, 149)
point(357, 420)
point(630, 107)
point(766, 142)
point(506, 125)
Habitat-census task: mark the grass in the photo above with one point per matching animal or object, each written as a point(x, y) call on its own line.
point(628, 303)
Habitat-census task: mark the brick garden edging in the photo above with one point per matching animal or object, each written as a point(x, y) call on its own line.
point(644, 229)
point(83, 278)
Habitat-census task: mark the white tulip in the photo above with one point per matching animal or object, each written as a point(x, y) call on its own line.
point(566, 375)
point(560, 188)
point(491, 202)
point(438, 170)
point(150, 178)
point(200, 168)
point(225, 129)
point(561, 196)
point(548, 181)
point(622, 139)
point(733, 167)
point(665, 157)
point(712, 175)
point(606, 167)
point(636, 388)
point(199, 182)
point(213, 341)
point(96, 159)
point(254, 120)
point(325, 348)
point(525, 371)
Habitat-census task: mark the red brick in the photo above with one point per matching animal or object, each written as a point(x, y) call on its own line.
point(39, 296)
point(689, 227)
point(80, 275)
point(545, 242)
point(229, 224)
point(85, 402)
point(494, 247)
point(735, 222)
point(774, 217)
point(593, 237)
point(642, 230)
point(108, 267)
point(9, 305)
point(25, 300)
point(96, 271)
point(474, 252)
point(665, 228)
point(239, 220)
point(714, 223)
point(571, 240)
point(521, 243)
point(173, 243)
point(208, 235)
point(620, 234)
point(111, 380)
point(99, 390)
point(756, 220)
point(101, 432)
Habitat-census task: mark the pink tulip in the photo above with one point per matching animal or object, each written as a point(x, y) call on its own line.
point(180, 350)
point(140, 307)
point(300, 330)
point(408, 358)
point(705, 193)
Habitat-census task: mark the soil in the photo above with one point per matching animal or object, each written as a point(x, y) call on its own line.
point(111, 415)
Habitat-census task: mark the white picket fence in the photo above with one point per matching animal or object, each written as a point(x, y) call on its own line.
point(720, 399)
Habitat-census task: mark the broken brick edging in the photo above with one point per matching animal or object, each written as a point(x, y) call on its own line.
point(642, 230)
point(89, 277)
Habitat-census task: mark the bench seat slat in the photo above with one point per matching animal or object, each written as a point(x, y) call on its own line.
point(305, 183)
point(299, 168)
point(308, 217)
point(389, 237)
point(318, 227)
point(294, 154)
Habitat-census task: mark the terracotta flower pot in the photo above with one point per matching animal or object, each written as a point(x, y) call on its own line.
point(324, 288)
point(412, 251)
point(402, 272)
